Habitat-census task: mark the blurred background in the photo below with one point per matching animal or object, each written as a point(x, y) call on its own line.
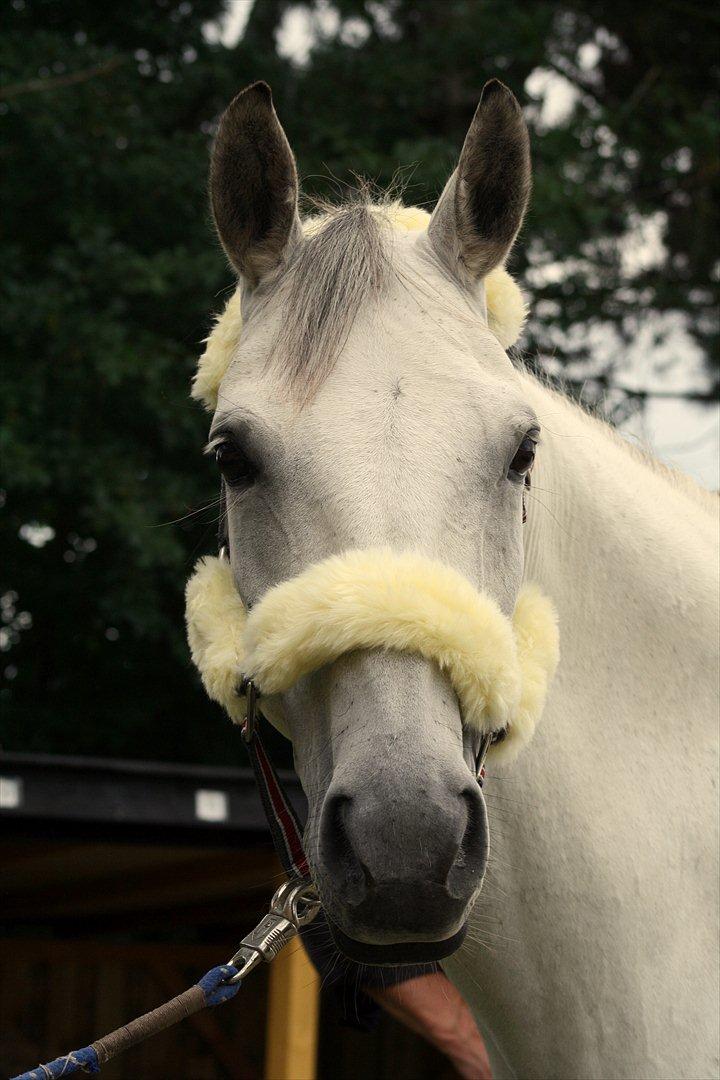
point(111, 276)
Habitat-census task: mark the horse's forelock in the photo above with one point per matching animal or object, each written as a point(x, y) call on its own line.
point(342, 262)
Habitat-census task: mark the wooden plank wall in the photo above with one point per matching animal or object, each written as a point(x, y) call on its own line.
point(97, 933)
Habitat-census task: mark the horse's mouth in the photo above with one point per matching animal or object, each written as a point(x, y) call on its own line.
point(396, 953)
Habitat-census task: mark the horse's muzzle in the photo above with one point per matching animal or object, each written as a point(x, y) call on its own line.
point(398, 873)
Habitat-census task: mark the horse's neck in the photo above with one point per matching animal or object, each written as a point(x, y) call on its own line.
point(606, 828)
point(629, 553)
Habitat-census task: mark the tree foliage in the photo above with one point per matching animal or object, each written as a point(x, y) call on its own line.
point(111, 273)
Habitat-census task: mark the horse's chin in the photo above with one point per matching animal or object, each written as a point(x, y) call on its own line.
point(395, 953)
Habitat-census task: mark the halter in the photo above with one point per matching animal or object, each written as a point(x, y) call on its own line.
point(499, 669)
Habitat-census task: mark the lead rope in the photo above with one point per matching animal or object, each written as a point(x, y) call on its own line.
point(212, 989)
point(295, 904)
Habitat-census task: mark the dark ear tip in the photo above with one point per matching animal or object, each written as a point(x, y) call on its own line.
point(493, 90)
point(260, 89)
point(257, 93)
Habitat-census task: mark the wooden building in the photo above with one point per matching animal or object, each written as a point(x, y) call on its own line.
point(122, 883)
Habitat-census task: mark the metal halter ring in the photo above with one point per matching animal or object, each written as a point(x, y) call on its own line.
point(248, 690)
point(486, 742)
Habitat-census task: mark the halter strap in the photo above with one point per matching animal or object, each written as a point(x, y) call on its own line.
point(282, 820)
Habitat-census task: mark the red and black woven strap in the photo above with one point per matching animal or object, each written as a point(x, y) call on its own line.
point(282, 820)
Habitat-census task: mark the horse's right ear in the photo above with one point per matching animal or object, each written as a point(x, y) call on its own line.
point(254, 185)
point(482, 207)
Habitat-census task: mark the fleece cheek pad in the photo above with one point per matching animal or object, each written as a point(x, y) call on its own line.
point(500, 669)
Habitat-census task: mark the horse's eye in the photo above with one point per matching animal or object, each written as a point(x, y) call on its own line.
point(522, 463)
point(236, 467)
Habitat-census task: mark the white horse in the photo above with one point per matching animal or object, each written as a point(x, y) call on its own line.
point(369, 401)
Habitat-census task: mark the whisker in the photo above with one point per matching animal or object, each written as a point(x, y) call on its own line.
point(549, 511)
point(185, 517)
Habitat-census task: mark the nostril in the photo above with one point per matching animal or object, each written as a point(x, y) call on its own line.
point(457, 825)
point(368, 878)
point(352, 877)
point(471, 859)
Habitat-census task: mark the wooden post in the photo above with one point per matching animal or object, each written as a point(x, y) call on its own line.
point(293, 1016)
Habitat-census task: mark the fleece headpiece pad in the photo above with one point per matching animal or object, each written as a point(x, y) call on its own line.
point(506, 310)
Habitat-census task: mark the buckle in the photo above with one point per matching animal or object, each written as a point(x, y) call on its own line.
point(248, 690)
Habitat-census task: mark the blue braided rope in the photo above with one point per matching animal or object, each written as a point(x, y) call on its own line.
point(85, 1059)
point(215, 988)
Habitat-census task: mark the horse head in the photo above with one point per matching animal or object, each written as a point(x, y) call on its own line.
point(365, 401)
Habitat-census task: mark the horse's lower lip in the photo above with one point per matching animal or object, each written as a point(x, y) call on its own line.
point(397, 953)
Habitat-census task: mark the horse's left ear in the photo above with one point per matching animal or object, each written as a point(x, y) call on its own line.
point(482, 207)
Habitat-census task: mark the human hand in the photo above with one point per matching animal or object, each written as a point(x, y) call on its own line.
point(432, 1007)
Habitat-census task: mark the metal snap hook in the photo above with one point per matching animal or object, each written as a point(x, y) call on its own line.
point(295, 904)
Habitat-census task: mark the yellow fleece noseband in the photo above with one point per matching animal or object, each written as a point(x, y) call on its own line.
point(500, 669)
